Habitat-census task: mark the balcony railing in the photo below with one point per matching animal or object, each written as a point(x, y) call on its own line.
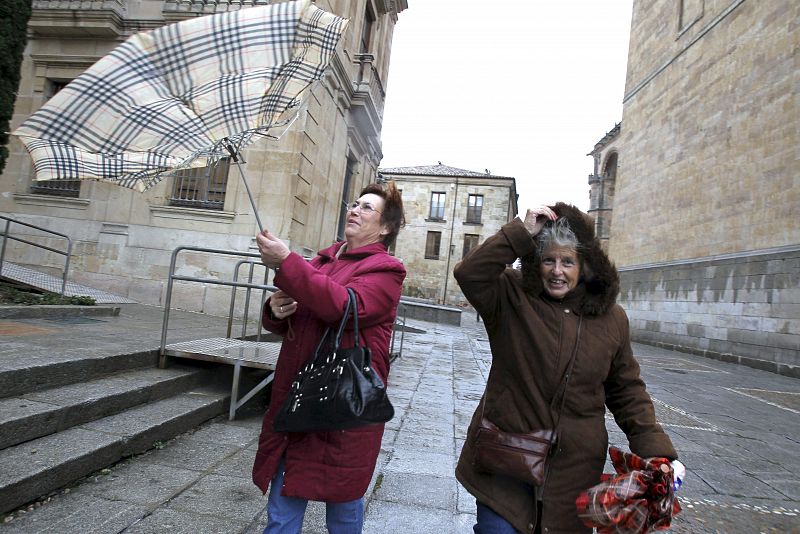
point(370, 82)
point(210, 6)
point(82, 5)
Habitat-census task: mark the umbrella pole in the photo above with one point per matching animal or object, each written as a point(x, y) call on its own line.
point(234, 152)
point(250, 195)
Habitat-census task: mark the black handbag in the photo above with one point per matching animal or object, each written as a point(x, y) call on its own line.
point(337, 388)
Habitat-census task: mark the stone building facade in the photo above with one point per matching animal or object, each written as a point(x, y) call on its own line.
point(706, 194)
point(602, 182)
point(301, 183)
point(449, 211)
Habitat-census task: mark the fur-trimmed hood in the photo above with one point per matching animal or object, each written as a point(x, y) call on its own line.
point(598, 275)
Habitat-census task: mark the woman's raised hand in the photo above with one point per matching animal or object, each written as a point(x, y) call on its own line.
point(282, 305)
point(536, 218)
point(273, 250)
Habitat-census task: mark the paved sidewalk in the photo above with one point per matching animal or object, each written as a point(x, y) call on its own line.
point(736, 429)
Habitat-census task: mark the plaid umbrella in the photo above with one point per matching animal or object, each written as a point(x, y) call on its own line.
point(183, 95)
point(639, 499)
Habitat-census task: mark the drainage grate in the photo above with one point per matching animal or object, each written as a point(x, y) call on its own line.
point(226, 350)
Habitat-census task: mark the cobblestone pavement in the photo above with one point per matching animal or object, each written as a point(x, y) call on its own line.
point(737, 430)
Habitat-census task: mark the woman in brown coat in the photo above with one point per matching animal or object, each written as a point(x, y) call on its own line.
point(563, 302)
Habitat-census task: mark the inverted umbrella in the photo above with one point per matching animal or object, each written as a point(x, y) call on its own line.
point(639, 499)
point(183, 95)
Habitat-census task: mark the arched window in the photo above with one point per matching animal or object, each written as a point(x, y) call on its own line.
point(605, 202)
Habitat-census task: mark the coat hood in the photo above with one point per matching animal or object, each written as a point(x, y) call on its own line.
point(598, 275)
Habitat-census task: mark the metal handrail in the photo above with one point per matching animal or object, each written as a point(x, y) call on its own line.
point(252, 264)
point(255, 259)
point(392, 356)
point(7, 236)
point(212, 281)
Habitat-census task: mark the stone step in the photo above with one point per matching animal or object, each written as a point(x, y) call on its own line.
point(34, 468)
point(23, 373)
point(38, 414)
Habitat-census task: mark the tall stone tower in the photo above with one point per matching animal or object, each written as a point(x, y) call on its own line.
point(707, 191)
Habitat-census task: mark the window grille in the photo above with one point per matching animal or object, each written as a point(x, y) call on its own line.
point(202, 187)
point(58, 188)
point(437, 206)
point(432, 245)
point(474, 209)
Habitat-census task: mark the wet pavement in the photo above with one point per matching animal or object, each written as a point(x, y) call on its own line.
point(737, 429)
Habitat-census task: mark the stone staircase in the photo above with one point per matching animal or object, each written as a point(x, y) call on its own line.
point(64, 419)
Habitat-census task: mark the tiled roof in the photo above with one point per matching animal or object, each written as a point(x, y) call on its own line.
point(438, 170)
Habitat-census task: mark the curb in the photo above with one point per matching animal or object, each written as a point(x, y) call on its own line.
point(38, 311)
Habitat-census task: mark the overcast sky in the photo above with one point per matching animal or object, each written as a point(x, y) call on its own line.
point(524, 88)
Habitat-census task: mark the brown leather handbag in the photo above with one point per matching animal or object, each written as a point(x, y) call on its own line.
point(520, 455)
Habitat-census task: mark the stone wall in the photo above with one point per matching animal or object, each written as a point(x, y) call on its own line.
point(710, 133)
point(742, 308)
point(706, 199)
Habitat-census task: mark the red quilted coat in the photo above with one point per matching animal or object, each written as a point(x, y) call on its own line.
point(329, 466)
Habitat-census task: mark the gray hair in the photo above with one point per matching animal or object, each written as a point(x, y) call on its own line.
point(557, 234)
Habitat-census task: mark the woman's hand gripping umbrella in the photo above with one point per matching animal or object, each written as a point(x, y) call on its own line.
point(640, 498)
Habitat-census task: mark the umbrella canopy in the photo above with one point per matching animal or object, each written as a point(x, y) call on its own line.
point(183, 95)
point(639, 499)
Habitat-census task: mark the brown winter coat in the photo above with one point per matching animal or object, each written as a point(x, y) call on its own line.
point(532, 339)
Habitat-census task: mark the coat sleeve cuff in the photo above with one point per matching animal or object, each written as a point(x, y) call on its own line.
point(519, 238)
point(653, 445)
point(292, 262)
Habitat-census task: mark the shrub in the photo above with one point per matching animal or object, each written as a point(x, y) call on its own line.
point(14, 15)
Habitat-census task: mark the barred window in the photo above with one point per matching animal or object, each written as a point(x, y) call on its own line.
point(432, 245)
point(59, 188)
point(474, 208)
point(202, 187)
point(437, 205)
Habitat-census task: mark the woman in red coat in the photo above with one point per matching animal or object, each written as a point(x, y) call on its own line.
point(334, 467)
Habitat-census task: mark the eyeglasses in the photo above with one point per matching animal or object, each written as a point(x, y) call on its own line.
point(365, 207)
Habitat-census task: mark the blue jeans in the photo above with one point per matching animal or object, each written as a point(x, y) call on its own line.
point(285, 514)
point(491, 523)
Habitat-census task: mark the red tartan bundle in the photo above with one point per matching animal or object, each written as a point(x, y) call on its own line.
point(637, 500)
